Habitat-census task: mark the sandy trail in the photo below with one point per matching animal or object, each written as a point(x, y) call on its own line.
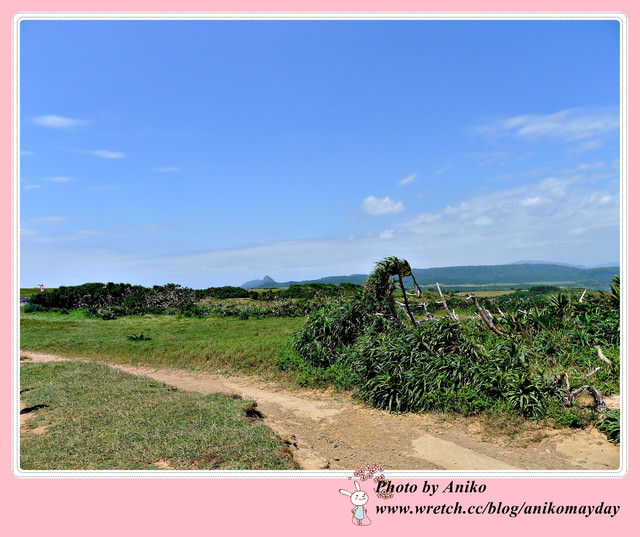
point(331, 431)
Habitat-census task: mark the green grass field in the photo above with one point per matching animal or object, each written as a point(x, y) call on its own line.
point(90, 416)
point(488, 294)
point(226, 344)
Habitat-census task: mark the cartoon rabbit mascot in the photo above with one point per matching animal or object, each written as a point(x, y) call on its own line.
point(358, 499)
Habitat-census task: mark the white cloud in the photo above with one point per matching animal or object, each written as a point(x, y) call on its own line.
point(387, 234)
point(62, 179)
point(531, 201)
point(574, 124)
point(47, 219)
point(591, 166)
point(32, 187)
point(580, 226)
point(407, 180)
point(601, 199)
point(587, 145)
point(379, 206)
point(27, 154)
point(482, 221)
point(556, 186)
point(577, 224)
point(57, 122)
point(575, 228)
point(168, 169)
point(104, 153)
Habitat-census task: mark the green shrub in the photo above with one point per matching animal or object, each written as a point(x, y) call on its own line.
point(443, 365)
point(609, 424)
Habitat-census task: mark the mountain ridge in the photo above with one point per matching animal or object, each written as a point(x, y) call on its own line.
point(519, 274)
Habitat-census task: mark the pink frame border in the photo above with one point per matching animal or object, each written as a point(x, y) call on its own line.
point(195, 506)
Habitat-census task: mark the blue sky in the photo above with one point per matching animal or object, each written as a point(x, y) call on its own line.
point(209, 153)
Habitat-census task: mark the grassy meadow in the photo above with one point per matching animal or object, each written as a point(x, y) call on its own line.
point(86, 416)
point(227, 344)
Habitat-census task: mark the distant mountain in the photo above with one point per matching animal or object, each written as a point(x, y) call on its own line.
point(522, 275)
point(534, 262)
point(488, 276)
point(265, 282)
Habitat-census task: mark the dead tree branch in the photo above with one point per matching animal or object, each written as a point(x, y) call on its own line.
point(602, 356)
point(601, 406)
point(485, 316)
point(594, 371)
point(452, 315)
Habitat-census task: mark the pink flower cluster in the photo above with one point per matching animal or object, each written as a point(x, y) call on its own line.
point(368, 472)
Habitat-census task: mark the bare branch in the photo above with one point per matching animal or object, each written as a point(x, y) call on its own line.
point(594, 371)
point(602, 356)
point(601, 406)
point(416, 286)
point(453, 315)
point(485, 316)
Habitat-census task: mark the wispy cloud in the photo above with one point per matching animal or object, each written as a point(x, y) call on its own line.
point(570, 125)
point(57, 122)
point(379, 206)
point(47, 219)
point(59, 179)
point(387, 234)
point(407, 180)
point(27, 154)
point(70, 238)
point(32, 187)
point(105, 153)
point(167, 169)
point(556, 219)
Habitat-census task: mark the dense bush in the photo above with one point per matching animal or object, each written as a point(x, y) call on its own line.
point(222, 292)
point(111, 301)
point(361, 343)
point(283, 308)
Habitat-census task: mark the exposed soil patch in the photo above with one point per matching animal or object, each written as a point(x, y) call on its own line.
point(26, 413)
point(328, 430)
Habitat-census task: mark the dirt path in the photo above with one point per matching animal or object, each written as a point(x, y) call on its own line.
point(329, 430)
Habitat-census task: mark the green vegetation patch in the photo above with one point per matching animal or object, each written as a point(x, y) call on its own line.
point(610, 425)
point(92, 417)
point(227, 344)
point(527, 352)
